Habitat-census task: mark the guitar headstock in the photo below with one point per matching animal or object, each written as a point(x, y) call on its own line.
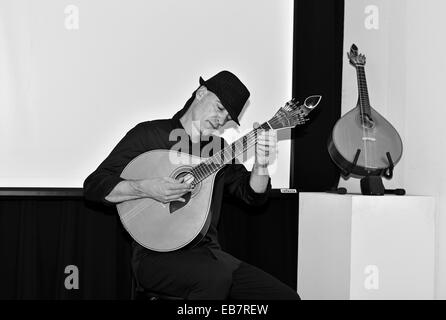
point(293, 114)
point(355, 58)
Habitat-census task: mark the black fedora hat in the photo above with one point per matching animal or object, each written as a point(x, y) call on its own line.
point(232, 93)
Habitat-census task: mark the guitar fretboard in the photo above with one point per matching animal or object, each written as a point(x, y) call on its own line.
point(363, 94)
point(226, 155)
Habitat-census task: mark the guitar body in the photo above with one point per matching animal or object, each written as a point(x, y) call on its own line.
point(166, 227)
point(350, 135)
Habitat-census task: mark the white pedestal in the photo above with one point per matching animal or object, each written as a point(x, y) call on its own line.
point(366, 247)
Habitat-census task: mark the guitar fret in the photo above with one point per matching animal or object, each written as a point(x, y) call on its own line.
point(226, 156)
point(211, 164)
point(209, 168)
point(195, 174)
point(203, 169)
point(218, 159)
point(200, 171)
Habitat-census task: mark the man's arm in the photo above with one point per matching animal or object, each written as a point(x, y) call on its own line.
point(105, 184)
point(101, 182)
point(252, 187)
point(259, 178)
point(161, 189)
point(123, 191)
point(264, 154)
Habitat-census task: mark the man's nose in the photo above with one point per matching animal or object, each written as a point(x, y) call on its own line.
point(222, 119)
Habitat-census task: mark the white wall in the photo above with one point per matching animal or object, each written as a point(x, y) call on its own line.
point(425, 114)
point(406, 71)
point(68, 94)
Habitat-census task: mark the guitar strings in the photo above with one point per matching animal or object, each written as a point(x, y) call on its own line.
point(362, 115)
point(371, 136)
point(201, 171)
point(205, 168)
point(244, 141)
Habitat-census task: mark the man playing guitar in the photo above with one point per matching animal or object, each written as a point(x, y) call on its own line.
point(202, 271)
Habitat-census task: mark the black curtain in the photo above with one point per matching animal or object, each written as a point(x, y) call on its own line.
point(41, 236)
point(263, 236)
point(317, 69)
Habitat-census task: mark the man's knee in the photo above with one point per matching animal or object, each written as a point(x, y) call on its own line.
point(213, 285)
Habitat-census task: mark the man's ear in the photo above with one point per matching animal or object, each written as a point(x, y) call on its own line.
point(201, 92)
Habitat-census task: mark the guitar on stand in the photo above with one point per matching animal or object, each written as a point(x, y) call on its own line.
point(363, 143)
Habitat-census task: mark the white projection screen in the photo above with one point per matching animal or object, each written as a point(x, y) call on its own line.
point(75, 76)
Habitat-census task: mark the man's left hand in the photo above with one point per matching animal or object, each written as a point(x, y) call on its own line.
point(266, 147)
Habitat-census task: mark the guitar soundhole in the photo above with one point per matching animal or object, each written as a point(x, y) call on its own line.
point(367, 122)
point(176, 205)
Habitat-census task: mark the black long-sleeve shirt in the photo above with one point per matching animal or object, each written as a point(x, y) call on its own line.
point(233, 179)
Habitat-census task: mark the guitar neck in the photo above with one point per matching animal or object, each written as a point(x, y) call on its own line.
point(226, 155)
point(363, 94)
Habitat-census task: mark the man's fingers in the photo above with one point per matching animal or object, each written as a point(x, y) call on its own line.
point(263, 147)
point(266, 141)
point(178, 186)
point(174, 198)
point(176, 193)
point(266, 145)
point(189, 178)
point(265, 136)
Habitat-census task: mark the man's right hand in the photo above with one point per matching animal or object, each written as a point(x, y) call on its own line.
point(163, 189)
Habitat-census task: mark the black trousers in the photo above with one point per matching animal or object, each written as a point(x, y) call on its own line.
point(201, 274)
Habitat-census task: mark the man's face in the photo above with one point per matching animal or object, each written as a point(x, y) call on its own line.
point(209, 114)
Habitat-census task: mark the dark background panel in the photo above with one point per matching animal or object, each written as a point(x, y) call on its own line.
point(265, 236)
point(40, 237)
point(317, 69)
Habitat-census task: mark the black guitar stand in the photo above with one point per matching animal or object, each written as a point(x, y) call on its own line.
point(337, 190)
point(346, 173)
point(388, 173)
point(372, 184)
